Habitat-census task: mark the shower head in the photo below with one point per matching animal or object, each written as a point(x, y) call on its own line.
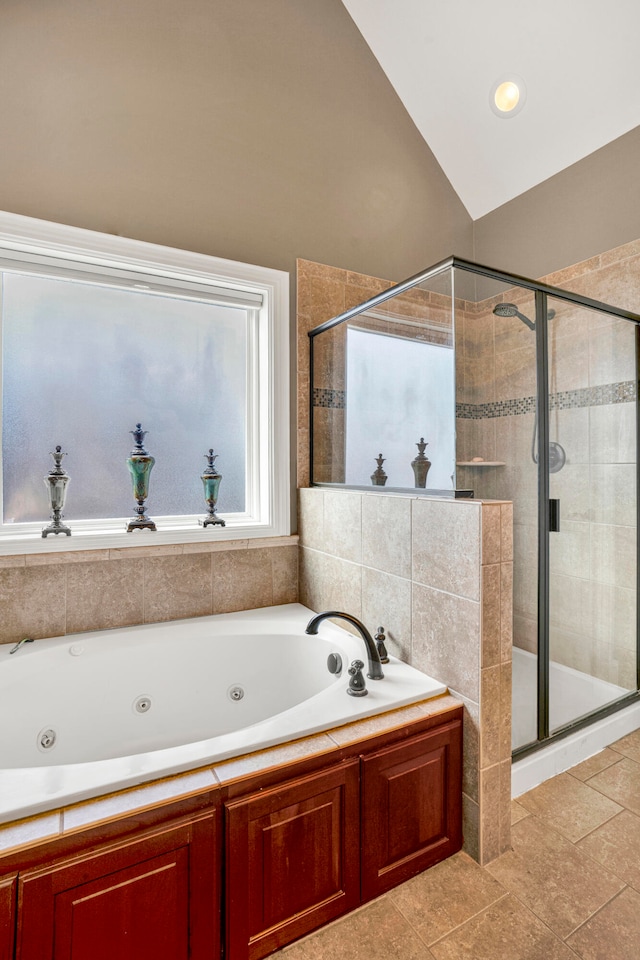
point(510, 310)
point(505, 310)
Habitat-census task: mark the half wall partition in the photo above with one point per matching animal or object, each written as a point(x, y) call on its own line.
point(520, 391)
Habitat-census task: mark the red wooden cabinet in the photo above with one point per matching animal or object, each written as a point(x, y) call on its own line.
point(411, 807)
point(154, 894)
point(292, 860)
point(7, 915)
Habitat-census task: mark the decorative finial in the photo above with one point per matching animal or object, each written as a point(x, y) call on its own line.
point(138, 435)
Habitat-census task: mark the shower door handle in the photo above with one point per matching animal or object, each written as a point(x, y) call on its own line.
point(554, 516)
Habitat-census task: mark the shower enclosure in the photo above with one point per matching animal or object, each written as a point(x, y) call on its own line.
point(523, 392)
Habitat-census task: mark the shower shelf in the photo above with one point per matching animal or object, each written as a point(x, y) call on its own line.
point(480, 463)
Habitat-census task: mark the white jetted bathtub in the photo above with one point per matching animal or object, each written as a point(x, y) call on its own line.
point(84, 714)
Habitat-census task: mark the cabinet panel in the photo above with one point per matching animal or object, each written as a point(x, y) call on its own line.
point(411, 807)
point(292, 860)
point(7, 916)
point(155, 895)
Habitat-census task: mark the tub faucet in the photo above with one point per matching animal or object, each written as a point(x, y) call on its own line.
point(20, 642)
point(373, 657)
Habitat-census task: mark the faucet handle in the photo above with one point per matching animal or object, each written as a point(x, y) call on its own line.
point(382, 650)
point(357, 684)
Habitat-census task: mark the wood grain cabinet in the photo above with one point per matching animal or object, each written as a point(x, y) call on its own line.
point(411, 807)
point(153, 895)
point(292, 860)
point(7, 915)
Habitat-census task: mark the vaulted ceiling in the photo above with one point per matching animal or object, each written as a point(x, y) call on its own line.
point(579, 60)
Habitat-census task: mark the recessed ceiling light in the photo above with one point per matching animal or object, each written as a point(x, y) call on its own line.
point(508, 96)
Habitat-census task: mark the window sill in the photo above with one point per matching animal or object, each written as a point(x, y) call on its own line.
point(186, 538)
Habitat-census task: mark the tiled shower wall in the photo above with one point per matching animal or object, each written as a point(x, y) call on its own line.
point(436, 574)
point(593, 416)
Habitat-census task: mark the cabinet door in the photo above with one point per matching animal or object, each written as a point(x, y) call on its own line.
point(7, 916)
point(411, 807)
point(292, 860)
point(155, 895)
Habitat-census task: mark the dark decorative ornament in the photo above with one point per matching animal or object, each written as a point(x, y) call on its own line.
point(140, 464)
point(56, 483)
point(421, 464)
point(379, 477)
point(211, 483)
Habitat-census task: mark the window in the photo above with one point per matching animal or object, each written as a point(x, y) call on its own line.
point(412, 397)
point(100, 333)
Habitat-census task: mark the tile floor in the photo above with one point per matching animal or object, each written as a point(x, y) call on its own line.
point(570, 887)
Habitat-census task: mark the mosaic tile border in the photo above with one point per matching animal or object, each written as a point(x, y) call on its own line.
point(624, 391)
point(335, 399)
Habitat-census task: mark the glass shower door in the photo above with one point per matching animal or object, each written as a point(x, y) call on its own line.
point(592, 472)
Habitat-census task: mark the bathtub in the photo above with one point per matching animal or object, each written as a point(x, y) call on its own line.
point(90, 713)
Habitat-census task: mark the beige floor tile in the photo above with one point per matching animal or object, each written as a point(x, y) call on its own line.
point(442, 898)
point(571, 807)
point(616, 845)
point(613, 933)
point(629, 746)
point(376, 932)
point(504, 931)
point(620, 782)
point(588, 768)
point(552, 877)
point(518, 812)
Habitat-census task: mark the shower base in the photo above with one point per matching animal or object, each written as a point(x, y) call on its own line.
point(572, 694)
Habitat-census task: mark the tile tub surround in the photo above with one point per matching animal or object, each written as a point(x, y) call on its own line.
point(569, 888)
point(437, 574)
point(44, 595)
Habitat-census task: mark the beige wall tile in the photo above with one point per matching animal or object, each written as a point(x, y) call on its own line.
point(490, 814)
point(506, 531)
point(284, 568)
point(569, 553)
point(471, 751)
point(386, 533)
point(613, 555)
point(311, 566)
point(32, 600)
point(613, 493)
point(491, 533)
point(445, 639)
point(104, 595)
point(612, 433)
point(71, 556)
point(386, 602)
point(311, 517)
point(471, 827)
point(446, 545)
point(491, 610)
point(343, 524)
point(176, 587)
point(241, 580)
point(506, 610)
point(490, 716)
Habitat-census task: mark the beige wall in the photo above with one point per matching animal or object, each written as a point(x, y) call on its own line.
point(256, 131)
point(591, 207)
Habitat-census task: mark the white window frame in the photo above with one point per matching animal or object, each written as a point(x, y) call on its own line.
point(125, 263)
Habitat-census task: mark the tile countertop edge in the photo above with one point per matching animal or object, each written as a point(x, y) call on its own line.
point(119, 804)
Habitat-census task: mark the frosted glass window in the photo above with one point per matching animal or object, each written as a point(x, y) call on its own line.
point(84, 362)
point(399, 390)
